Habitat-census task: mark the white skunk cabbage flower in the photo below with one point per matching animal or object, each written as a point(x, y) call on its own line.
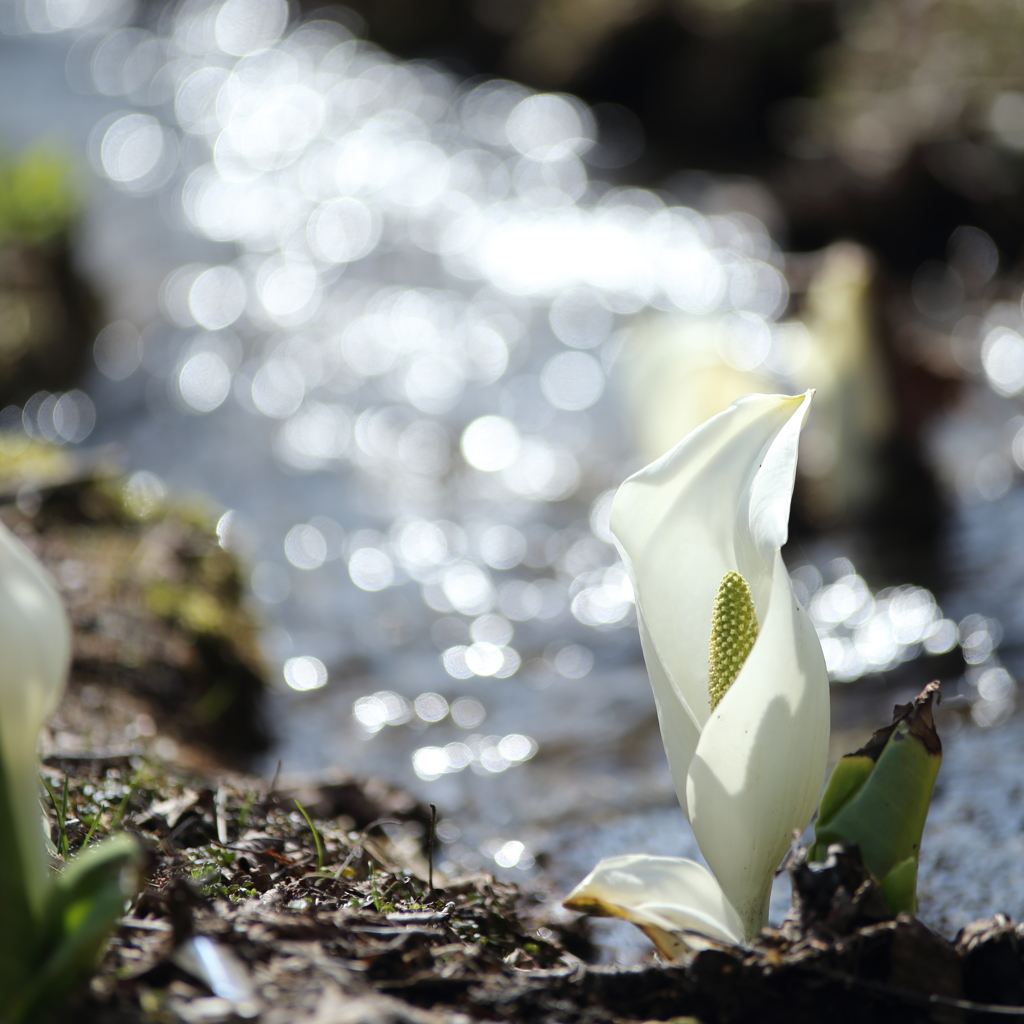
point(35, 652)
point(52, 930)
point(737, 671)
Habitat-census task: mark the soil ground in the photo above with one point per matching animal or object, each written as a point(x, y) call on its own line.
point(309, 901)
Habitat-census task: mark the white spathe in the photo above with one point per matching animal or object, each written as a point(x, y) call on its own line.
point(35, 651)
point(750, 773)
point(646, 891)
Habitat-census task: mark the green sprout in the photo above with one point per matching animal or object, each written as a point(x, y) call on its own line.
point(60, 811)
point(50, 941)
point(878, 798)
point(122, 807)
point(381, 905)
point(84, 904)
point(316, 837)
point(53, 927)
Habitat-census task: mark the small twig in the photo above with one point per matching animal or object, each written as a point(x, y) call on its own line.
point(430, 848)
point(264, 803)
point(794, 851)
point(919, 998)
point(273, 781)
point(357, 846)
point(220, 806)
point(146, 924)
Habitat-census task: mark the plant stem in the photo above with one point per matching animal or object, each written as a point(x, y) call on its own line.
point(19, 912)
point(245, 810)
point(119, 814)
point(64, 817)
point(60, 810)
point(92, 828)
point(316, 837)
point(430, 850)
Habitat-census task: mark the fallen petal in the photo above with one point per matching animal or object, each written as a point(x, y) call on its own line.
point(676, 902)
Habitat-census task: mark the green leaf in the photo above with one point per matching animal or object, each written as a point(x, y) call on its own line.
point(899, 887)
point(847, 779)
point(316, 836)
point(84, 905)
point(878, 798)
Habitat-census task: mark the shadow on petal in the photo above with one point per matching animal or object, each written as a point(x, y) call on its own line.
point(760, 763)
point(745, 839)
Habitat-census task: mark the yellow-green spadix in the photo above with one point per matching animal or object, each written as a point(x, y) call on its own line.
point(737, 671)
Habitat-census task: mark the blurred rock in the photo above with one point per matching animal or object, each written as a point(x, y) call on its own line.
point(155, 602)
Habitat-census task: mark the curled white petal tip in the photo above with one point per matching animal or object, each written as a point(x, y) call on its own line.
point(676, 902)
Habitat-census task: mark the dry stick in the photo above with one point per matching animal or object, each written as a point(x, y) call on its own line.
point(430, 847)
point(920, 998)
point(220, 807)
point(273, 781)
point(357, 846)
point(264, 803)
